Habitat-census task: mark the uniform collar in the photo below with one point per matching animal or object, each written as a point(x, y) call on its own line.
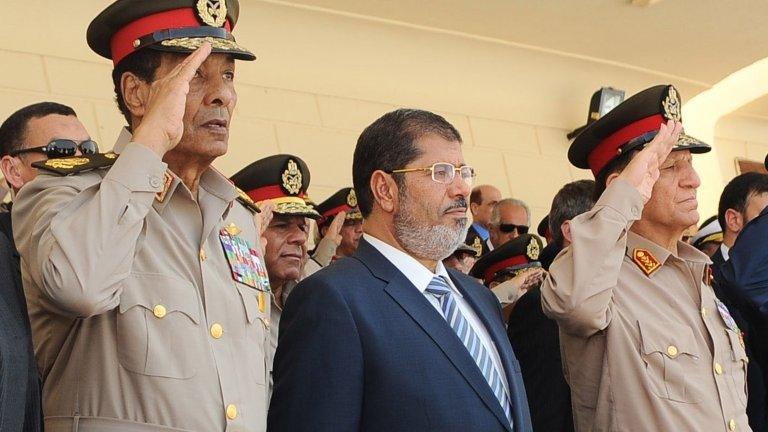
point(685, 252)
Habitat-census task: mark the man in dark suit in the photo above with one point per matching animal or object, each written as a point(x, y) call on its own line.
point(389, 340)
point(481, 202)
point(742, 200)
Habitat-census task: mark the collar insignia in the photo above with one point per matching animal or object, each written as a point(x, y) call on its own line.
point(292, 178)
point(646, 261)
point(212, 12)
point(168, 181)
point(533, 250)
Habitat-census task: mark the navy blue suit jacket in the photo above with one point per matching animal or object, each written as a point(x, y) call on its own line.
point(361, 349)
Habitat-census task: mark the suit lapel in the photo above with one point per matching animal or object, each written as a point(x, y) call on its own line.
point(413, 302)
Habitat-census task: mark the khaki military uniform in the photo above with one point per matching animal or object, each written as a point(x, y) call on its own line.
point(137, 319)
point(646, 345)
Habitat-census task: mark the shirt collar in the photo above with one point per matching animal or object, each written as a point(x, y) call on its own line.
point(725, 250)
point(685, 252)
point(481, 230)
point(413, 270)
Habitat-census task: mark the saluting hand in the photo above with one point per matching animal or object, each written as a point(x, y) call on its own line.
point(162, 126)
point(262, 220)
point(643, 170)
point(334, 230)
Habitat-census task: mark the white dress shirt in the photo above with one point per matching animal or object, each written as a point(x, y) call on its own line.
point(725, 250)
point(421, 276)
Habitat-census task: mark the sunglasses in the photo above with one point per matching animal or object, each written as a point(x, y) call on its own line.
point(61, 147)
point(508, 228)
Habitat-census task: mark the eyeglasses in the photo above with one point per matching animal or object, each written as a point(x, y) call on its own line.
point(61, 147)
point(444, 172)
point(508, 228)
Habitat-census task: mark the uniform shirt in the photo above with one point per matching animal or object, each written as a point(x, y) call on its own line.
point(420, 277)
point(642, 353)
point(135, 313)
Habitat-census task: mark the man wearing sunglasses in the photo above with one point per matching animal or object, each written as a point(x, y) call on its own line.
point(389, 339)
point(510, 218)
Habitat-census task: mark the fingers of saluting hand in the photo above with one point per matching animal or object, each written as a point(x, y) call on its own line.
point(338, 222)
point(187, 68)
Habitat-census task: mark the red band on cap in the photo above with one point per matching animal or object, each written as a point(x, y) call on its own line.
point(122, 42)
point(608, 148)
point(270, 192)
point(336, 210)
point(509, 262)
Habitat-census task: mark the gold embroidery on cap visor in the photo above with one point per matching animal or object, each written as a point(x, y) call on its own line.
point(193, 43)
point(212, 12)
point(66, 163)
point(293, 206)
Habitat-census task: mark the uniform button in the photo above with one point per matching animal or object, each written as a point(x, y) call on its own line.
point(718, 368)
point(202, 254)
point(159, 311)
point(155, 182)
point(732, 425)
point(217, 331)
point(672, 351)
point(635, 211)
point(703, 312)
point(231, 411)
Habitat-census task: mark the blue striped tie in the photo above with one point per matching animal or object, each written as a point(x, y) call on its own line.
point(440, 289)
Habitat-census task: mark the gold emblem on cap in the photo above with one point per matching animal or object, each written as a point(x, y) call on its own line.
point(292, 178)
point(646, 261)
point(533, 250)
point(352, 198)
point(212, 12)
point(671, 104)
point(477, 245)
point(66, 163)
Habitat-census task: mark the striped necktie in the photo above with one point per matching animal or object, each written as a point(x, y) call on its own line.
point(439, 288)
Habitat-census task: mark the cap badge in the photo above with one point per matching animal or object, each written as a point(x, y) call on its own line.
point(66, 163)
point(533, 250)
point(212, 12)
point(352, 198)
point(292, 178)
point(646, 261)
point(671, 105)
point(477, 245)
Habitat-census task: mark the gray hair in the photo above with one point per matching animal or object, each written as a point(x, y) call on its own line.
point(495, 213)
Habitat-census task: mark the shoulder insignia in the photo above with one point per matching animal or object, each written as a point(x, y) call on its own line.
point(71, 165)
point(247, 201)
point(646, 261)
point(167, 182)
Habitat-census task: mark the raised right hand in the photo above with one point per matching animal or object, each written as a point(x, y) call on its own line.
point(162, 126)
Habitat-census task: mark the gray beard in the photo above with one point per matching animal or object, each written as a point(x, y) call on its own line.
point(428, 242)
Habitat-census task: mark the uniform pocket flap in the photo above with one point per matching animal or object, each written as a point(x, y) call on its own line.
point(160, 294)
point(737, 345)
point(667, 338)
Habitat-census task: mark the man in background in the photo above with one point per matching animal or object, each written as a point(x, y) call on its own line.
point(481, 202)
point(510, 218)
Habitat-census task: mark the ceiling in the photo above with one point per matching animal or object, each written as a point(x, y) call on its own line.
point(698, 40)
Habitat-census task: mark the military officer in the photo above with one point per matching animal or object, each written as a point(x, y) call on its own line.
point(350, 231)
point(646, 344)
point(281, 180)
point(147, 292)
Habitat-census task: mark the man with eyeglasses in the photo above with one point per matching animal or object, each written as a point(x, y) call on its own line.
point(143, 267)
point(388, 339)
point(510, 218)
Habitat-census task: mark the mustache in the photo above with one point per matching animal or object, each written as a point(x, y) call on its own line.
point(460, 203)
point(217, 113)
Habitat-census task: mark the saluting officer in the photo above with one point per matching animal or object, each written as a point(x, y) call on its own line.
point(339, 229)
point(142, 267)
point(646, 344)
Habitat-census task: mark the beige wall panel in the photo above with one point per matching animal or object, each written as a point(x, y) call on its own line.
point(110, 122)
point(275, 104)
point(461, 123)
point(552, 142)
point(727, 151)
point(503, 135)
point(489, 166)
point(22, 71)
point(738, 127)
point(79, 78)
point(757, 151)
point(535, 180)
point(249, 141)
point(349, 114)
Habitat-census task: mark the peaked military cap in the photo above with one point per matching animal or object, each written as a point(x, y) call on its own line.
point(343, 200)
point(512, 258)
point(709, 231)
point(282, 179)
point(127, 26)
point(465, 248)
point(629, 126)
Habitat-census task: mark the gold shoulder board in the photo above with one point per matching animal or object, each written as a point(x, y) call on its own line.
point(247, 201)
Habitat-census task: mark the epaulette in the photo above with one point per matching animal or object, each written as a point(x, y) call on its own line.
point(71, 165)
point(247, 201)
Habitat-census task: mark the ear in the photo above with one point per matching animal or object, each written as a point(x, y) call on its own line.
point(385, 191)
point(611, 177)
point(11, 168)
point(565, 228)
point(734, 222)
point(473, 207)
point(135, 93)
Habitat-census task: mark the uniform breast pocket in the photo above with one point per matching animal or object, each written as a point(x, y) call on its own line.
point(255, 341)
point(671, 360)
point(738, 364)
point(158, 326)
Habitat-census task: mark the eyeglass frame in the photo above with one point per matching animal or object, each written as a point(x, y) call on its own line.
point(45, 150)
point(431, 168)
